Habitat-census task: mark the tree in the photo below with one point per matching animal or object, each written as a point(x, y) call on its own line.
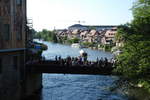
point(141, 13)
point(54, 37)
point(134, 62)
point(141, 9)
point(74, 40)
point(47, 35)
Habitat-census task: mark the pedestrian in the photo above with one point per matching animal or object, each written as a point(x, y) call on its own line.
point(56, 58)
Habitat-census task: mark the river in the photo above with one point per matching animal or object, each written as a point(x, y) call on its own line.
point(78, 87)
point(65, 50)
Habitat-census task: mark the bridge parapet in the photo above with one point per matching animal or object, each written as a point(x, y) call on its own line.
point(56, 67)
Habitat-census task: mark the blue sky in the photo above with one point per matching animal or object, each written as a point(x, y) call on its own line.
point(47, 14)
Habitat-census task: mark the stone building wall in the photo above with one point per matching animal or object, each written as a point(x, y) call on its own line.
point(11, 77)
point(33, 83)
point(15, 81)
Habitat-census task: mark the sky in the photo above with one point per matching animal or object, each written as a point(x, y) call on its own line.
point(59, 14)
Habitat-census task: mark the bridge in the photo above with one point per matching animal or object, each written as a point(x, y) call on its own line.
point(56, 67)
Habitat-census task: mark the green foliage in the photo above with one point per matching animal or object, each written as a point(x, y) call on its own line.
point(145, 84)
point(88, 44)
point(47, 35)
point(60, 40)
point(92, 28)
point(141, 12)
point(74, 40)
point(134, 62)
point(141, 8)
point(108, 47)
point(123, 31)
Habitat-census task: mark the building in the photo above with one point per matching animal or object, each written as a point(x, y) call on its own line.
point(91, 27)
point(77, 27)
point(12, 48)
point(109, 36)
point(15, 83)
point(75, 34)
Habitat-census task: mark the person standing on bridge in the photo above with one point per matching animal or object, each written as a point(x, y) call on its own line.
point(56, 58)
point(85, 57)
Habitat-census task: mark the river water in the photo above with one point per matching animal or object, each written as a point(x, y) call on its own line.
point(65, 50)
point(77, 87)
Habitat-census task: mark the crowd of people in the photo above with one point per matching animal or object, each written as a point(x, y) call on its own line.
point(77, 61)
point(82, 61)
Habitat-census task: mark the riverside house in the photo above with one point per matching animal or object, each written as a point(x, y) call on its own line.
point(103, 34)
point(109, 36)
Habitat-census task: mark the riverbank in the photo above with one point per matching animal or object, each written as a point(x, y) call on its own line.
point(91, 46)
point(99, 48)
point(131, 91)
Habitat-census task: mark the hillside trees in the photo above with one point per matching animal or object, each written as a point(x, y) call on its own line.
point(46, 35)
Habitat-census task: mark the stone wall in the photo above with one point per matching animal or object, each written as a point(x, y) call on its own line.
point(9, 79)
point(15, 83)
point(33, 84)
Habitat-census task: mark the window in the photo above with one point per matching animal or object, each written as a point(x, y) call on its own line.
point(1, 10)
point(0, 65)
point(19, 33)
point(15, 62)
point(6, 1)
point(6, 31)
point(0, 24)
point(19, 2)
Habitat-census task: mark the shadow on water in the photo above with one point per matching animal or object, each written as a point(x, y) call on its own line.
point(36, 96)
